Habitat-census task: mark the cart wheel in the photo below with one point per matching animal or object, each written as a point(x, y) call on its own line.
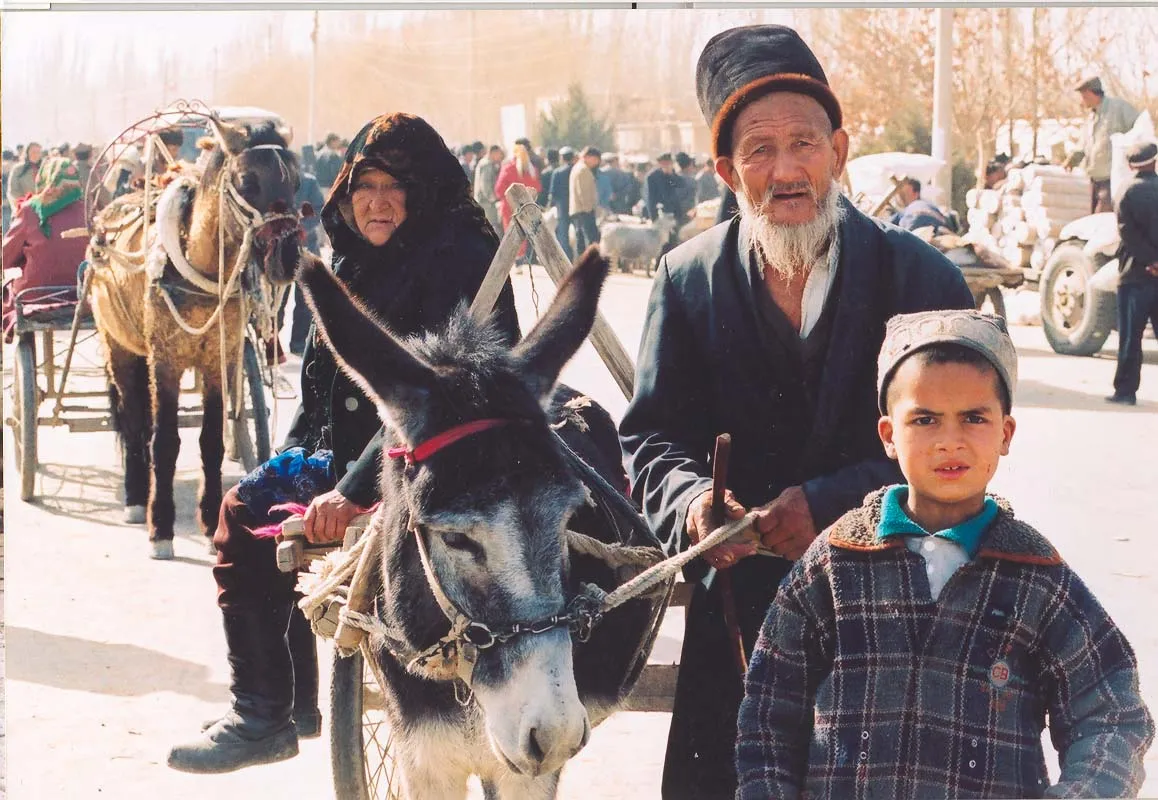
point(26, 409)
point(360, 742)
point(250, 447)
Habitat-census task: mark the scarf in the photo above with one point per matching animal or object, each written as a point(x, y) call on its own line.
point(57, 187)
point(437, 191)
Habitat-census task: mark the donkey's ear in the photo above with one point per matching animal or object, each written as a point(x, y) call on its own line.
point(560, 332)
point(233, 139)
point(367, 352)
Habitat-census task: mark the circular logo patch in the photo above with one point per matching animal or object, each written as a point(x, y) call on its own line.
point(999, 674)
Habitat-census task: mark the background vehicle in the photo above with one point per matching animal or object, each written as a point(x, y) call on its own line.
point(236, 115)
point(1078, 315)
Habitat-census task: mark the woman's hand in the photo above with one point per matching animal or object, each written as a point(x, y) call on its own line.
point(327, 517)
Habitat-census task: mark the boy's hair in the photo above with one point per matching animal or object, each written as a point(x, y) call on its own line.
point(949, 353)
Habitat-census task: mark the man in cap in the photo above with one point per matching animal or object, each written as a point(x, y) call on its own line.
point(1138, 264)
point(661, 185)
point(329, 161)
point(766, 327)
point(1108, 115)
point(82, 157)
point(560, 198)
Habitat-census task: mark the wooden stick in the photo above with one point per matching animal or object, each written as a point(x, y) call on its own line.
point(530, 217)
point(496, 277)
point(727, 596)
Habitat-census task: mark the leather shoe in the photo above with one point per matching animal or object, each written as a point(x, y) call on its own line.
point(1123, 399)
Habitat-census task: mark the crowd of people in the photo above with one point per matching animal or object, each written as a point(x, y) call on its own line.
point(584, 185)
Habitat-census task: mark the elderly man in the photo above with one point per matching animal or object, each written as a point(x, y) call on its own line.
point(1108, 115)
point(765, 327)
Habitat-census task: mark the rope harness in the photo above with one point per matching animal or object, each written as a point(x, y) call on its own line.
point(259, 300)
point(330, 606)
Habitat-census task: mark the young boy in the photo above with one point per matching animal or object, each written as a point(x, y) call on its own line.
point(917, 647)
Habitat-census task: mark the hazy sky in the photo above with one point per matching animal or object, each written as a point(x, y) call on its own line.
point(41, 51)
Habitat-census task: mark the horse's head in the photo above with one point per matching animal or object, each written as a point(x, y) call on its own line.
point(260, 176)
point(491, 512)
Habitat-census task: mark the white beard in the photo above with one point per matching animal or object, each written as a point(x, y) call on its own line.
point(792, 250)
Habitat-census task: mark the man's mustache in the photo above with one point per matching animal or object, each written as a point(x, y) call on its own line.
point(796, 187)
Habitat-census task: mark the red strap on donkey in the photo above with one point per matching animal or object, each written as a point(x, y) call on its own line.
point(445, 439)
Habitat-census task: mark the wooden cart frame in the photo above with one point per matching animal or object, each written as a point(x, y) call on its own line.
point(360, 742)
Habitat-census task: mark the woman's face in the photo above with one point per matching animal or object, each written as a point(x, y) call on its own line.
point(34, 153)
point(379, 205)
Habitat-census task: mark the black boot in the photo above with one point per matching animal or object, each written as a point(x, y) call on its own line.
point(259, 728)
point(303, 647)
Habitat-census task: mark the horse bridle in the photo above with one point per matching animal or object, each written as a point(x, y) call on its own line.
point(454, 655)
point(242, 210)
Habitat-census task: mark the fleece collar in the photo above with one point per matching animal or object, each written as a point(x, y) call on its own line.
point(1007, 538)
point(895, 521)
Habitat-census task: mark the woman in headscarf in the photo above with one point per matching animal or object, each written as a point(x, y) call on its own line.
point(34, 245)
point(411, 244)
point(22, 181)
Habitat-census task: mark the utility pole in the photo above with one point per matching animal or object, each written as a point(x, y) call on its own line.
point(470, 127)
point(1009, 72)
point(310, 129)
point(1034, 78)
point(943, 102)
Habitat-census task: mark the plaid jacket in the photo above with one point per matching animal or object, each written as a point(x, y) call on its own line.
point(861, 686)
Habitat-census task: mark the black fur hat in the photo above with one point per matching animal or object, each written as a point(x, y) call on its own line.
point(743, 64)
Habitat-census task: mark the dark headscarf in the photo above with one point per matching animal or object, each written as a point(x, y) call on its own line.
point(437, 191)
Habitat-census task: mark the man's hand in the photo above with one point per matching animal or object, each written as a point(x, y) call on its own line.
point(1152, 270)
point(700, 524)
point(327, 517)
point(785, 525)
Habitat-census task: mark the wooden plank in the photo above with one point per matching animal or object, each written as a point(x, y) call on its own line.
point(655, 689)
point(496, 277)
point(554, 260)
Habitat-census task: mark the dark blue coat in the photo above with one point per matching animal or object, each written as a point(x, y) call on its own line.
point(800, 414)
point(702, 371)
point(560, 196)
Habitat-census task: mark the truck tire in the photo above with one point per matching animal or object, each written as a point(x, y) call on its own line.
point(1077, 318)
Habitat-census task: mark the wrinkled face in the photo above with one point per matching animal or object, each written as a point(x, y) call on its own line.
point(268, 178)
point(379, 203)
point(785, 156)
point(947, 429)
point(503, 565)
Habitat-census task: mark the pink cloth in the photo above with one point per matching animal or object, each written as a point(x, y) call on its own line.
point(271, 531)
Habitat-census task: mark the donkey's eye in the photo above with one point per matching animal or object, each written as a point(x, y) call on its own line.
point(456, 540)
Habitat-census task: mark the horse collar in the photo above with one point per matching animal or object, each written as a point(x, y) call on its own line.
point(445, 439)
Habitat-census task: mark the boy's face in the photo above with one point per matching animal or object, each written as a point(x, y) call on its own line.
point(947, 430)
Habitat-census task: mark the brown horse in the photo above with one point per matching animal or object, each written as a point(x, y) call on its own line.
point(156, 294)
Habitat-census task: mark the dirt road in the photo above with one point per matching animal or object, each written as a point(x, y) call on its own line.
point(112, 657)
